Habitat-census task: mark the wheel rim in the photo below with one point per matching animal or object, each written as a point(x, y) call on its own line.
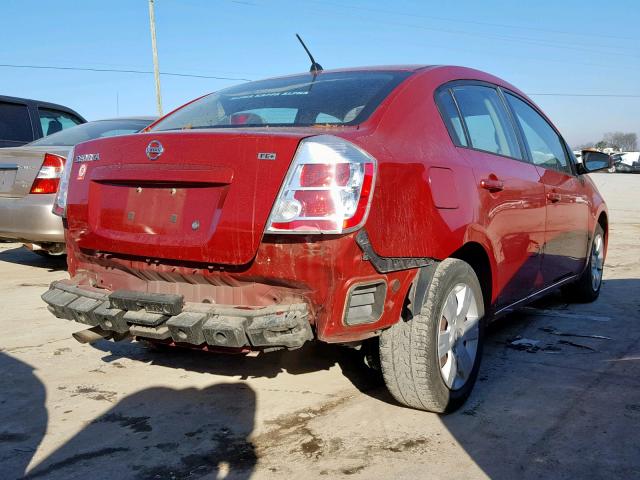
point(458, 336)
point(597, 262)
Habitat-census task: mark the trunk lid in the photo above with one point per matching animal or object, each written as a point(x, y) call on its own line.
point(205, 198)
point(19, 167)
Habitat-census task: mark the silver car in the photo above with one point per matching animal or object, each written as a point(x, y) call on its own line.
point(29, 178)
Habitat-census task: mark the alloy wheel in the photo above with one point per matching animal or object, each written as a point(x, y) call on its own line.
point(458, 335)
point(597, 261)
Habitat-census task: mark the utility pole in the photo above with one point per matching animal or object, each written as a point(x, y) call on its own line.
point(154, 48)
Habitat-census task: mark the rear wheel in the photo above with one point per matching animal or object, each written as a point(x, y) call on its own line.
point(431, 361)
point(587, 287)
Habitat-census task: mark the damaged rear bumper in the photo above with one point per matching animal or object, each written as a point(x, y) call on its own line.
point(166, 317)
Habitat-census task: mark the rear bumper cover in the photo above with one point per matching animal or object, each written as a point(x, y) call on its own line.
point(29, 219)
point(168, 318)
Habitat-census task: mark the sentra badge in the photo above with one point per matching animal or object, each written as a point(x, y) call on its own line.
point(154, 149)
point(266, 156)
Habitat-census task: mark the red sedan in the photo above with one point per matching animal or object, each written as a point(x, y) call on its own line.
point(396, 207)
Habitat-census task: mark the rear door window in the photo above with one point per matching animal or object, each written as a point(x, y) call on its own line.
point(451, 117)
point(54, 121)
point(487, 120)
point(15, 123)
point(545, 145)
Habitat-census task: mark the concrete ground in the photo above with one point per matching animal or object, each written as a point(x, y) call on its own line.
point(118, 410)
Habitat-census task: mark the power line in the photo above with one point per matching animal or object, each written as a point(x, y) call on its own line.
point(526, 40)
point(562, 45)
point(115, 70)
point(459, 20)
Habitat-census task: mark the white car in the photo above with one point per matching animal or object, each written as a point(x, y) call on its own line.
point(628, 162)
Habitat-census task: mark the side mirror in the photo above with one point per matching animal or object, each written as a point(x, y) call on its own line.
point(595, 161)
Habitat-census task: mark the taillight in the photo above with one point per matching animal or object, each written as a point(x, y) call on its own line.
point(49, 175)
point(328, 188)
point(60, 203)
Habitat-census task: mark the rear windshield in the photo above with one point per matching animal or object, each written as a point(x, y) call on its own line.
point(342, 98)
point(93, 130)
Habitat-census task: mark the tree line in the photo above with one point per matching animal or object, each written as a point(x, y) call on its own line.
point(624, 142)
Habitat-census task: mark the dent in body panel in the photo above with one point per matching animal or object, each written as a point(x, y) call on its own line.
point(285, 270)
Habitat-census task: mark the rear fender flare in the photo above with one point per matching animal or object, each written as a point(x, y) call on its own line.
point(420, 286)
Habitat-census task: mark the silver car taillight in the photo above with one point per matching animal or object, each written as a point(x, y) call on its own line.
point(60, 203)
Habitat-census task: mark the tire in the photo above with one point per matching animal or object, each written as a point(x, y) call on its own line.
point(587, 288)
point(413, 370)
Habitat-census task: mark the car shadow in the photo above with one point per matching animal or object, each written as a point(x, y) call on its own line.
point(567, 408)
point(312, 357)
point(23, 416)
point(318, 356)
point(163, 433)
point(24, 256)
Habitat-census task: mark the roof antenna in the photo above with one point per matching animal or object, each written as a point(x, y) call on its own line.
point(315, 66)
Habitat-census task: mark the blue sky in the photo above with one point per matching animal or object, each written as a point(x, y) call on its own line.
point(567, 47)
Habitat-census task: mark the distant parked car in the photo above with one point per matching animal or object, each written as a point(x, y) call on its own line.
point(29, 177)
point(628, 162)
point(23, 120)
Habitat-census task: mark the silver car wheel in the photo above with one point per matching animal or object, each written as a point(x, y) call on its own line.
point(597, 261)
point(458, 335)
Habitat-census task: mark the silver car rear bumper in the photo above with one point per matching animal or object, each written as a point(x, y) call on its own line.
point(29, 219)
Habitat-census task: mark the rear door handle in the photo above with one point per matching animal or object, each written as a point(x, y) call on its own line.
point(554, 197)
point(492, 184)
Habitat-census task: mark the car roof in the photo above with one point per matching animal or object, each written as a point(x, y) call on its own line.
point(453, 71)
point(40, 103)
point(386, 68)
point(371, 68)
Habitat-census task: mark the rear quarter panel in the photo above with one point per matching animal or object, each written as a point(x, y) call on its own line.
point(412, 213)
